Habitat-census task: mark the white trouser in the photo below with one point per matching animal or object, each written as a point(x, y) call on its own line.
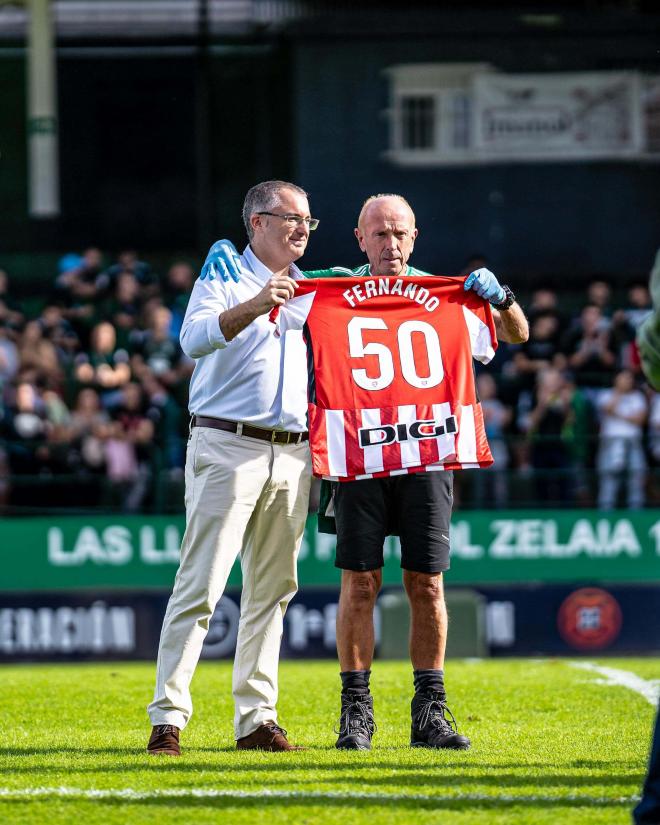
point(243, 496)
point(617, 454)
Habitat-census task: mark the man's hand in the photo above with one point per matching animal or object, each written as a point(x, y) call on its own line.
point(276, 292)
point(486, 285)
point(223, 261)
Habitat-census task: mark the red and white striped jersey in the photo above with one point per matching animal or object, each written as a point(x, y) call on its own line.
point(390, 376)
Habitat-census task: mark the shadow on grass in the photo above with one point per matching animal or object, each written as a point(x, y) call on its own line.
point(278, 776)
point(262, 804)
point(386, 757)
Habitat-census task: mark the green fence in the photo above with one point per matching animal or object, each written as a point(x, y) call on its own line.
point(510, 546)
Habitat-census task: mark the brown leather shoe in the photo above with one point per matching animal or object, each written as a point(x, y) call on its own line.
point(164, 741)
point(267, 737)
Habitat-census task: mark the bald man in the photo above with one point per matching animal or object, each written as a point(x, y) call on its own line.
point(415, 506)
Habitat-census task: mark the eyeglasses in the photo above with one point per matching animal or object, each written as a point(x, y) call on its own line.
point(295, 220)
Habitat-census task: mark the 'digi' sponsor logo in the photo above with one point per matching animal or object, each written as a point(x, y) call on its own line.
point(589, 619)
point(385, 434)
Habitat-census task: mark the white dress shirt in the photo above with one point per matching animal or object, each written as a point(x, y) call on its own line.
point(256, 377)
point(629, 404)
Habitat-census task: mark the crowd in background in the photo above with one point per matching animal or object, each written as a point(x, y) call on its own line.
point(569, 410)
point(93, 384)
point(93, 395)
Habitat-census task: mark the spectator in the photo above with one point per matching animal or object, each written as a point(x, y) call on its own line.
point(127, 451)
point(579, 435)
point(26, 429)
point(157, 351)
point(124, 306)
point(599, 294)
point(38, 354)
point(167, 418)
point(588, 349)
point(9, 356)
point(178, 286)
point(85, 436)
point(105, 367)
point(539, 352)
point(77, 278)
point(127, 261)
point(623, 410)
point(57, 329)
point(10, 312)
point(550, 416)
point(639, 305)
point(490, 485)
point(544, 302)
point(88, 427)
point(654, 428)
point(625, 323)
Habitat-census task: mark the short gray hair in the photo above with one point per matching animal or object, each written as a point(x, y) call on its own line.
point(263, 197)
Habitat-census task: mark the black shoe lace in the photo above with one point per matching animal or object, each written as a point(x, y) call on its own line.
point(356, 716)
point(432, 712)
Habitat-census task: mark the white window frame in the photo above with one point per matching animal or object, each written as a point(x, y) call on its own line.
point(442, 82)
point(651, 87)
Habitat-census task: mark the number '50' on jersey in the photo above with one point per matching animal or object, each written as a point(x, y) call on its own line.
point(390, 376)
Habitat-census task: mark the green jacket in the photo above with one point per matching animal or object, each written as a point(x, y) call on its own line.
point(326, 517)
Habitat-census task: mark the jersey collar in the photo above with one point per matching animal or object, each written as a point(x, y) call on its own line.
point(407, 272)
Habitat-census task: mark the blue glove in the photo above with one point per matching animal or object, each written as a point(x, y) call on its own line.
point(486, 285)
point(223, 261)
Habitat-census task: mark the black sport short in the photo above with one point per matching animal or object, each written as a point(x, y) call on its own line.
point(416, 507)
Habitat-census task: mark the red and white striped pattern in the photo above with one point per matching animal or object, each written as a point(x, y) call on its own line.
point(342, 459)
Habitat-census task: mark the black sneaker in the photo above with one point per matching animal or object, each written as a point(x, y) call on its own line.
point(430, 727)
point(356, 724)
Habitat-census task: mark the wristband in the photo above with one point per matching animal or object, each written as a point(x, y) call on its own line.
point(509, 299)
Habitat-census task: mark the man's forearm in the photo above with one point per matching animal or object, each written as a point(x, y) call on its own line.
point(511, 324)
point(235, 320)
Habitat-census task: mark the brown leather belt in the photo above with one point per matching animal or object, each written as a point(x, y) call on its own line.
point(274, 436)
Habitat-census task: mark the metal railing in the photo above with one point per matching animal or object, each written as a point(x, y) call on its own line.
point(157, 486)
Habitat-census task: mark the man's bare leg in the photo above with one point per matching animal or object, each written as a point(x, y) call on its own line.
point(355, 647)
point(432, 723)
point(355, 618)
point(428, 619)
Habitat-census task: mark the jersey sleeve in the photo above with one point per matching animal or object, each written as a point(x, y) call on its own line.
point(293, 314)
point(481, 327)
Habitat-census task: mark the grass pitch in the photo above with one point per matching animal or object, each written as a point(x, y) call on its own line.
point(551, 743)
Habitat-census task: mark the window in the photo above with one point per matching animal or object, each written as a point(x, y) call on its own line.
point(461, 104)
point(431, 112)
point(651, 103)
point(417, 121)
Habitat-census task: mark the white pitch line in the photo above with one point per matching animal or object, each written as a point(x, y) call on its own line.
point(211, 793)
point(649, 689)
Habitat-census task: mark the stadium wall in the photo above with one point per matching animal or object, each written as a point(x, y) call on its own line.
point(555, 582)
point(529, 219)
